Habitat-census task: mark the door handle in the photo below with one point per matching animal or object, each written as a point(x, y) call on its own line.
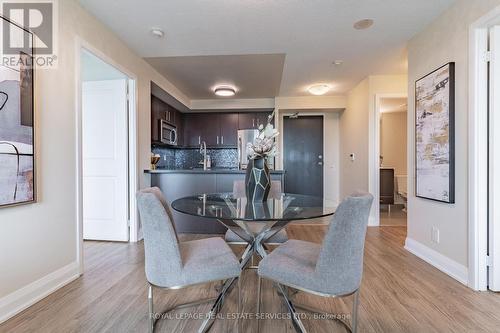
point(320, 163)
point(174, 137)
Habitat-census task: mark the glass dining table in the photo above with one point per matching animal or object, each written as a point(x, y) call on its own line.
point(254, 222)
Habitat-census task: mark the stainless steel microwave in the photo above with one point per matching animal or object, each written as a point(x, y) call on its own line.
point(168, 133)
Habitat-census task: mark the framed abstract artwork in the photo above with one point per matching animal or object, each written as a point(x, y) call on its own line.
point(17, 149)
point(435, 135)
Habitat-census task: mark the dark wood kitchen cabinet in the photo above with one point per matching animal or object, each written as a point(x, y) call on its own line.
point(249, 120)
point(228, 124)
point(156, 116)
point(193, 127)
point(216, 129)
point(162, 111)
point(261, 118)
point(199, 127)
point(246, 121)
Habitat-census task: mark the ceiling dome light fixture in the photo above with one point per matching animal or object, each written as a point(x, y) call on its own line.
point(225, 91)
point(363, 24)
point(319, 89)
point(157, 32)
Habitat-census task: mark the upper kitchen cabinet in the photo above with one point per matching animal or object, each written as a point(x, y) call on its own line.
point(194, 129)
point(161, 111)
point(172, 115)
point(216, 129)
point(228, 123)
point(199, 127)
point(252, 120)
point(156, 116)
point(246, 121)
point(262, 117)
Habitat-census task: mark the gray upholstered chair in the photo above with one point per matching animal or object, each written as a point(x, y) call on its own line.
point(333, 269)
point(171, 264)
point(275, 237)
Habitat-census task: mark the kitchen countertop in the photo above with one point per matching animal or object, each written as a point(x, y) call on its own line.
point(210, 171)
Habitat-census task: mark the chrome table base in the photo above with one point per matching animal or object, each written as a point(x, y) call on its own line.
point(255, 246)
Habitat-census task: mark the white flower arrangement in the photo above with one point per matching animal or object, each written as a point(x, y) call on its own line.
point(264, 146)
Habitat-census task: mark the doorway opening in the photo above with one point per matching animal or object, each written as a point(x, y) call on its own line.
point(303, 156)
point(393, 161)
point(106, 148)
point(484, 159)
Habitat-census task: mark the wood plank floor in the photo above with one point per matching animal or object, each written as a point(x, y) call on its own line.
point(397, 217)
point(400, 293)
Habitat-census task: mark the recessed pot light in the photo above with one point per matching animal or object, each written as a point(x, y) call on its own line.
point(225, 91)
point(363, 24)
point(157, 32)
point(319, 89)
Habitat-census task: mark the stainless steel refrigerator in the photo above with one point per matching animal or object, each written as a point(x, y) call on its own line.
point(244, 138)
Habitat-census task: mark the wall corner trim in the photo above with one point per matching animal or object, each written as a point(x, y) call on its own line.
point(23, 298)
point(372, 221)
point(457, 271)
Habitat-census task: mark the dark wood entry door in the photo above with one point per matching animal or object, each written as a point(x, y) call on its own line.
point(303, 157)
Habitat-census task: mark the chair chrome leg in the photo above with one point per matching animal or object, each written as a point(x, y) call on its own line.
point(259, 287)
point(355, 306)
point(151, 313)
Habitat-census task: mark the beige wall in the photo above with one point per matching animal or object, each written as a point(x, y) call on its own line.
point(445, 40)
point(357, 133)
point(41, 238)
point(354, 139)
point(393, 128)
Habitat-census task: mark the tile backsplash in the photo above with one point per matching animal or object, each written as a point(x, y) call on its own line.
point(189, 158)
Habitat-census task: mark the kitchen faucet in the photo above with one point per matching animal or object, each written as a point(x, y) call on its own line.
point(203, 151)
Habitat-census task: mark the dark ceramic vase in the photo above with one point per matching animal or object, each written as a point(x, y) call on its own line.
point(257, 180)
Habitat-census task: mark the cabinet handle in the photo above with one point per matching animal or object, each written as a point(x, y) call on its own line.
point(217, 139)
point(199, 140)
point(253, 122)
point(222, 139)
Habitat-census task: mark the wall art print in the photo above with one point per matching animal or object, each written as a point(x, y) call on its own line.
point(434, 135)
point(17, 160)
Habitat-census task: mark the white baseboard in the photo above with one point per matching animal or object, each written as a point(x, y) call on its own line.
point(457, 271)
point(23, 298)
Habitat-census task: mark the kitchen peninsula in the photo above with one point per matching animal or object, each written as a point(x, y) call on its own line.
point(176, 184)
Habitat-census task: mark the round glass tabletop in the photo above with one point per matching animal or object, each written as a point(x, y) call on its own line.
point(226, 206)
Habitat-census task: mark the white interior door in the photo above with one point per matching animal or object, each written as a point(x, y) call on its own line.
point(494, 163)
point(105, 160)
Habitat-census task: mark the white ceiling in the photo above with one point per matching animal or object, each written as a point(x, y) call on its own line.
point(311, 33)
